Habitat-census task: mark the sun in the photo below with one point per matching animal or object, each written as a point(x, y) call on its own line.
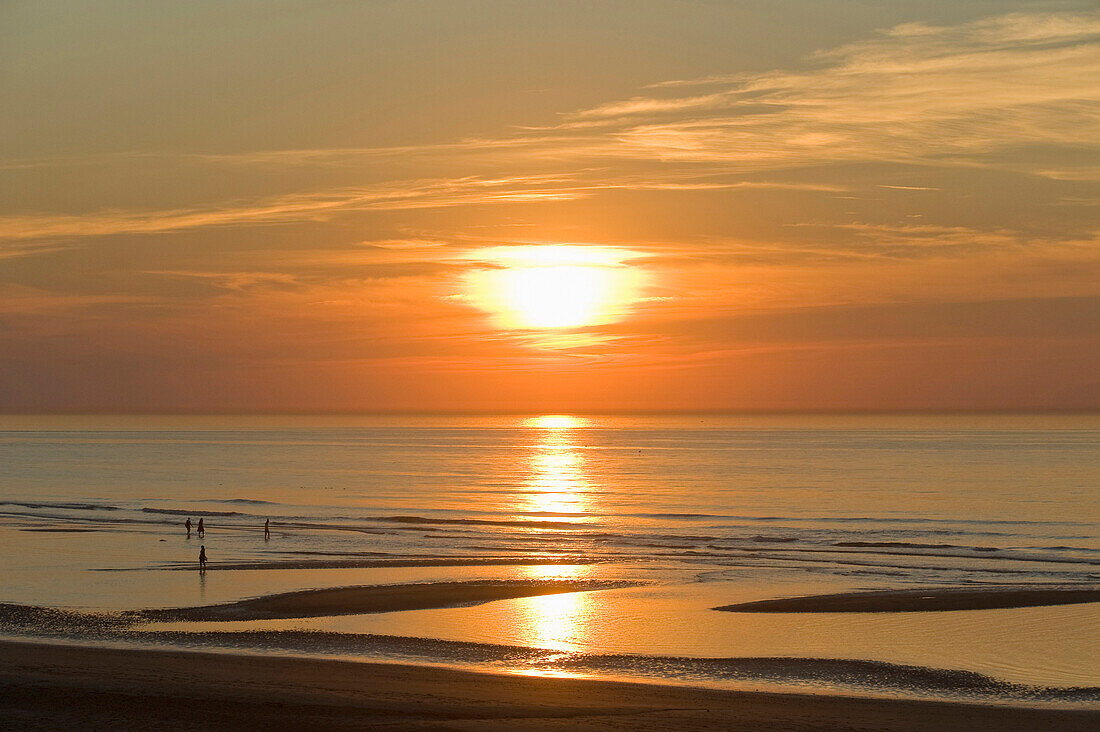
point(554, 286)
point(557, 297)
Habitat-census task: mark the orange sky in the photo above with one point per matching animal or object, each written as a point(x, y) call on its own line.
point(568, 206)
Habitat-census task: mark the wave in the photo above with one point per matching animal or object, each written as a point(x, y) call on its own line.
point(889, 520)
point(62, 505)
point(914, 545)
point(189, 512)
point(908, 520)
point(589, 514)
point(682, 543)
point(244, 501)
point(474, 522)
point(723, 523)
point(676, 515)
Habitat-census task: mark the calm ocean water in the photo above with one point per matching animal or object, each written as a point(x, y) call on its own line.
point(729, 507)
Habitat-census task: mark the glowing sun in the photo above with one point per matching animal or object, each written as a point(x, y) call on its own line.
point(554, 286)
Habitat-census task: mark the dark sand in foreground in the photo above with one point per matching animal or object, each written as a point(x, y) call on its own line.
point(921, 600)
point(54, 687)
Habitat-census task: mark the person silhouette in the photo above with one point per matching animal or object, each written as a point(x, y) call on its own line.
point(202, 531)
point(267, 529)
point(202, 558)
point(188, 525)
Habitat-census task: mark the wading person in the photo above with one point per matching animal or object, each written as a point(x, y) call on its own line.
point(187, 524)
point(267, 528)
point(202, 531)
point(202, 558)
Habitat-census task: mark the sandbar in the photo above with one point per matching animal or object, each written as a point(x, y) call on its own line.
point(373, 599)
point(921, 600)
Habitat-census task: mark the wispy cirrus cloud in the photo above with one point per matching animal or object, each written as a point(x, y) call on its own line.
point(390, 196)
point(913, 92)
point(14, 249)
point(293, 207)
point(233, 281)
point(916, 92)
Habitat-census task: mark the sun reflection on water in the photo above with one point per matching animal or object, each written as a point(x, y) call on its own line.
point(558, 480)
point(560, 487)
point(555, 422)
point(555, 622)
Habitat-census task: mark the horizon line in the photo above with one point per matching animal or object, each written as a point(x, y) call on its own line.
point(510, 412)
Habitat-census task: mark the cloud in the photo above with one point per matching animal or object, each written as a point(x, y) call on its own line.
point(1084, 173)
point(293, 207)
point(914, 93)
point(234, 281)
point(24, 300)
point(11, 250)
point(321, 205)
point(919, 241)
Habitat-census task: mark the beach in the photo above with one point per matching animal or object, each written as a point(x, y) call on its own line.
point(54, 686)
point(532, 571)
point(278, 625)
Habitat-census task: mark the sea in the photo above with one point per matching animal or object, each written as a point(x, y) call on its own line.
point(684, 513)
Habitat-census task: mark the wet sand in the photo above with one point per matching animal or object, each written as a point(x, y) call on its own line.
point(55, 686)
point(938, 599)
point(374, 599)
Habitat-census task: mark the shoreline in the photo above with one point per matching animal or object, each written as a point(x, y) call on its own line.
point(55, 685)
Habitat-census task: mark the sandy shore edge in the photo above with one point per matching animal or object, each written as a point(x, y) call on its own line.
point(922, 600)
point(56, 686)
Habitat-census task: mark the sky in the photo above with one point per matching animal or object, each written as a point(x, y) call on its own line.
point(486, 205)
